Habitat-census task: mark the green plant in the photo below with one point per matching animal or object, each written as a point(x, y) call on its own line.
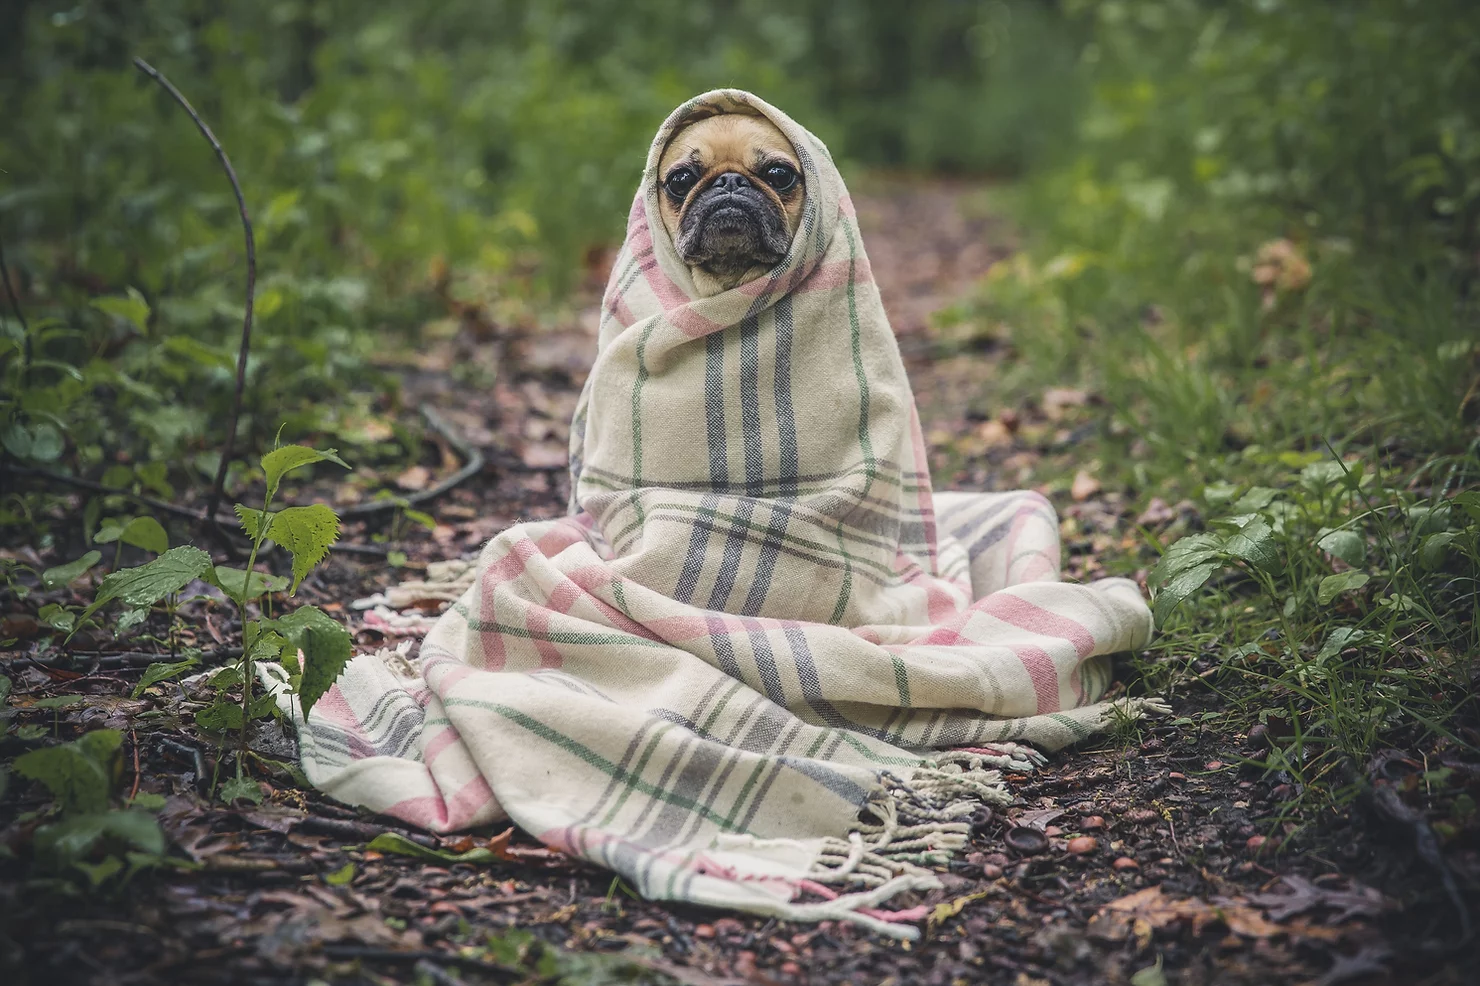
point(312, 647)
point(1365, 611)
point(85, 830)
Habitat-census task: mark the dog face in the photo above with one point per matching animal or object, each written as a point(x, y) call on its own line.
point(731, 196)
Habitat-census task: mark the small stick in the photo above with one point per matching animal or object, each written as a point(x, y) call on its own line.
point(472, 465)
point(15, 303)
point(135, 791)
point(219, 487)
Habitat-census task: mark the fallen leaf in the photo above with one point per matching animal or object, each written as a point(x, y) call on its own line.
point(1156, 512)
point(1085, 486)
point(1305, 896)
point(415, 478)
point(1115, 921)
point(1037, 818)
point(949, 909)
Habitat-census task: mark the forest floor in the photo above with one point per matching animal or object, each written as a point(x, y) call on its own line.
point(1158, 859)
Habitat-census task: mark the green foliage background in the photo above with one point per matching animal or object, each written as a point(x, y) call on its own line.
point(394, 153)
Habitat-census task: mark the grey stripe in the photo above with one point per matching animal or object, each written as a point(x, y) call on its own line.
point(714, 406)
point(729, 567)
point(760, 584)
point(693, 563)
point(750, 403)
point(786, 422)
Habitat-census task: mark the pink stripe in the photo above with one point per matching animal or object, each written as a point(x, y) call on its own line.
point(439, 814)
point(537, 622)
point(447, 736)
point(1043, 673)
point(1029, 616)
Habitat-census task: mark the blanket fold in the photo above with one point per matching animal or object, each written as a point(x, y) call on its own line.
point(761, 664)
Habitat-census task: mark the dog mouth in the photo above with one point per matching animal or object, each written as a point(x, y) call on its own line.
point(732, 234)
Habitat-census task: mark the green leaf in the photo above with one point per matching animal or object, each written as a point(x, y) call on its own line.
point(1185, 553)
point(129, 619)
point(241, 788)
point(251, 520)
point(1469, 502)
point(1255, 500)
point(399, 844)
point(148, 584)
point(279, 462)
point(1435, 548)
point(162, 671)
point(1150, 976)
point(1427, 519)
point(326, 648)
point(72, 838)
point(1334, 585)
point(307, 533)
point(64, 575)
point(1218, 494)
point(98, 873)
point(1255, 544)
point(155, 475)
point(230, 581)
point(341, 877)
point(1340, 639)
point(1184, 584)
point(146, 533)
point(131, 307)
point(57, 617)
point(424, 519)
point(1346, 545)
point(58, 701)
point(137, 827)
point(267, 645)
point(220, 717)
point(78, 773)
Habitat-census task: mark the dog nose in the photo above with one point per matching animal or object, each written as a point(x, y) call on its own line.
point(731, 181)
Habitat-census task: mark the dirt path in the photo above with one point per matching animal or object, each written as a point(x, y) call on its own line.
point(1167, 824)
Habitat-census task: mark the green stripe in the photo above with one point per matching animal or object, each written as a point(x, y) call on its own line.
point(593, 759)
point(636, 772)
point(1072, 724)
point(583, 638)
point(901, 680)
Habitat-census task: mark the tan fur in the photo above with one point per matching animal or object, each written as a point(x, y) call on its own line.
point(723, 143)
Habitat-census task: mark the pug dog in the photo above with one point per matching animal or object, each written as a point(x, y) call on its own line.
point(731, 198)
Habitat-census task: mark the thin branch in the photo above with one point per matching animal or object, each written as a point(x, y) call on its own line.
point(15, 303)
point(219, 487)
point(94, 487)
point(472, 465)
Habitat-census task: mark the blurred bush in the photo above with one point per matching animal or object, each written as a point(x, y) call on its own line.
point(396, 154)
point(393, 153)
point(1265, 228)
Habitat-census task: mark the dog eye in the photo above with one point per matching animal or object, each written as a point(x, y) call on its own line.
point(781, 177)
point(680, 182)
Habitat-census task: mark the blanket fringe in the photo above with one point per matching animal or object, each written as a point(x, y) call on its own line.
point(915, 825)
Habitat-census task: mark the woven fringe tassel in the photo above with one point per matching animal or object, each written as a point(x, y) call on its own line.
point(918, 823)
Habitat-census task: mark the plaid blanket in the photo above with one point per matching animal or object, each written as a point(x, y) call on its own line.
point(761, 664)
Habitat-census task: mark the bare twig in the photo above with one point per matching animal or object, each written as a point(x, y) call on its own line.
point(472, 465)
point(15, 304)
point(135, 792)
point(219, 487)
point(90, 485)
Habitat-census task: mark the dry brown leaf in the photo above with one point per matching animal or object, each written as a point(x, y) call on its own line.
point(1085, 486)
point(415, 478)
point(1117, 920)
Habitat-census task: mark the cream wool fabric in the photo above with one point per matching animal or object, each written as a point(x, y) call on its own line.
point(758, 620)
